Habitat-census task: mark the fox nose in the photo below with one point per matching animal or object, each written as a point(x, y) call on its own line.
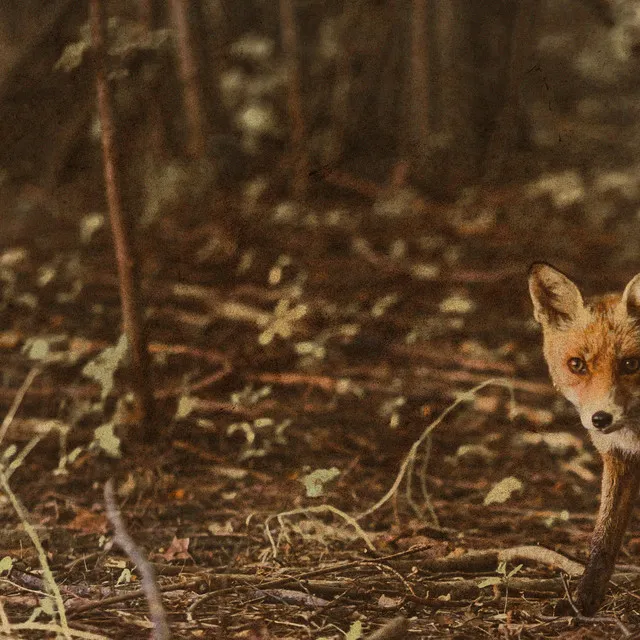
point(601, 419)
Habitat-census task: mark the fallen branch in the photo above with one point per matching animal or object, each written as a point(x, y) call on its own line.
point(488, 559)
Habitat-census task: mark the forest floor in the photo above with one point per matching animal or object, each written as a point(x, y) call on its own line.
point(289, 340)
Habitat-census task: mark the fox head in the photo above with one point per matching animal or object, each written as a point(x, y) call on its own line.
point(592, 348)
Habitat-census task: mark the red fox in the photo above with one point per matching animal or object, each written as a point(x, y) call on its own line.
point(592, 348)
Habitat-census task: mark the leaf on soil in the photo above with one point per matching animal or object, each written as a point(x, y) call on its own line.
point(125, 577)
point(37, 350)
point(386, 602)
point(105, 438)
point(6, 564)
point(217, 529)
point(186, 405)
point(489, 582)
point(244, 428)
point(88, 522)
point(425, 271)
point(563, 516)
point(479, 451)
point(559, 442)
point(281, 323)
point(104, 366)
point(127, 487)
point(72, 56)
point(89, 224)
point(381, 305)
point(178, 550)
point(502, 491)
point(355, 631)
point(564, 188)
point(314, 482)
point(458, 303)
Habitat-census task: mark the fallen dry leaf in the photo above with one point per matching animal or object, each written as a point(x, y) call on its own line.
point(87, 521)
point(178, 550)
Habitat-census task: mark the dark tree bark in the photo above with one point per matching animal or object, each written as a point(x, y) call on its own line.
point(420, 74)
point(457, 92)
point(505, 134)
point(155, 120)
point(300, 157)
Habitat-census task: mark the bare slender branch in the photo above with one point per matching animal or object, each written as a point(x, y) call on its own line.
point(147, 573)
point(17, 401)
point(47, 574)
point(191, 83)
point(125, 258)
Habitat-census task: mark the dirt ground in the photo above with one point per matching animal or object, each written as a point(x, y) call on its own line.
point(289, 339)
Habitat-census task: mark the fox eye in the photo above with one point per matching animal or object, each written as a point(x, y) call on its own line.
point(630, 365)
point(577, 365)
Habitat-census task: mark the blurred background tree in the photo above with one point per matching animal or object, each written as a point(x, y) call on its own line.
point(457, 93)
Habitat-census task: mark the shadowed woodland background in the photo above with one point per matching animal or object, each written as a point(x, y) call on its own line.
point(333, 206)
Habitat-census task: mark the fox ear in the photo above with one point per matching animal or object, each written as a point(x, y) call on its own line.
point(631, 297)
point(556, 300)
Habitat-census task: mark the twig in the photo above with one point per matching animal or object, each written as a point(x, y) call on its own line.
point(409, 461)
point(190, 77)
point(567, 591)
point(125, 258)
point(319, 509)
point(149, 583)
point(17, 401)
point(300, 158)
point(278, 582)
point(20, 458)
point(133, 595)
point(591, 619)
point(54, 628)
point(42, 555)
point(6, 626)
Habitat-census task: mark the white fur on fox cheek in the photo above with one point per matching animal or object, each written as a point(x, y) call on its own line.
point(571, 396)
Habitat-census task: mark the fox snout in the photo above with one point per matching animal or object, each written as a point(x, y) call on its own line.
point(602, 406)
point(605, 421)
point(601, 420)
